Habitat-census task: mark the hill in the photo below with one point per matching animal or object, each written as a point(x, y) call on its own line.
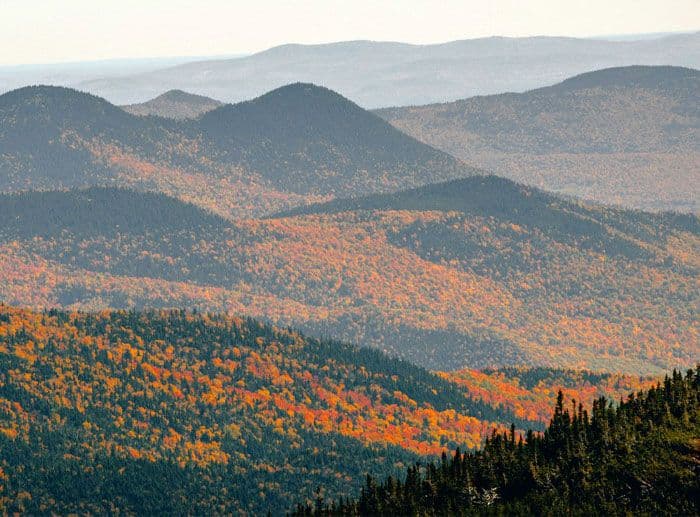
point(174, 412)
point(640, 457)
point(298, 144)
point(475, 273)
point(623, 135)
point(378, 74)
point(180, 413)
point(174, 104)
point(311, 140)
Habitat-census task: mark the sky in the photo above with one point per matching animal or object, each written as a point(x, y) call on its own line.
point(50, 31)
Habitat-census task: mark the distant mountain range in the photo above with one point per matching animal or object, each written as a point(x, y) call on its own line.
point(380, 74)
point(626, 135)
point(73, 73)
point(298, 144)
point(174, 104)
point(472, 273)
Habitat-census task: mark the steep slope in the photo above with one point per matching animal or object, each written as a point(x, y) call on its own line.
point(624, 135)
point(376, 74)
point(296, 145)
point(473, 273)
point(174, 104)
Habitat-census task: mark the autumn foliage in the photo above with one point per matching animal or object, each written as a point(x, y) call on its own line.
point(231, 399)
point(542, 283)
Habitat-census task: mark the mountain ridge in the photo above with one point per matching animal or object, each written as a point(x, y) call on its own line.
point(379, 74)
point(526, 279)
point(238, 160)
point(616, 136)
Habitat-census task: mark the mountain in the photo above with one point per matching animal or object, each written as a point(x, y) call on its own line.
point(72, 73)
point(479, 272)
point(378, 74)
point(295, 145)
point(311, 140)
point(625, 135)
point(174, 104)
point(639, 458)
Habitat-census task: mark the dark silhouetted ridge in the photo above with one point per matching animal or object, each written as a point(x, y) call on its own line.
point(100, 211)
point(631, 76)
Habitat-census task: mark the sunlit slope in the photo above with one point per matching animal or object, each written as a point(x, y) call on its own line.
point(440, 275)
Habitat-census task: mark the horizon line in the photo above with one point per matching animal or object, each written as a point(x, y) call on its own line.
point(614, 38)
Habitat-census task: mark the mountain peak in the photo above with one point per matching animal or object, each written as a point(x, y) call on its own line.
point(181, 96)
point(175, 104)
point(46, 105)
point(46, 95)
point(307, 93)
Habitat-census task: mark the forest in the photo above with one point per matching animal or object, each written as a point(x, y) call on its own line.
point(638, 457)
point(625, 135)
point(474, 273)
point(248, 416)
point(297, 144)
point(289, 305)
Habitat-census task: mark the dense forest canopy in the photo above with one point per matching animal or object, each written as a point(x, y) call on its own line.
point(297, 144)
point(295, 306)
point(176, 412)
point(213, 413)
point(639, 457)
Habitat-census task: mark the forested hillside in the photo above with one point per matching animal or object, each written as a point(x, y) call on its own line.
point(476, 273)
point(530, 393)
point(639, 458)
point(212, 413)
point(625, 135)
point(295, 145)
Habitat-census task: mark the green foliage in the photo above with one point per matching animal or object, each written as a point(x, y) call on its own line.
point(639, 457)
point(174, 412)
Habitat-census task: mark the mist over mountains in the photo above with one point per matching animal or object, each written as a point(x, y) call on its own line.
point(380, 74)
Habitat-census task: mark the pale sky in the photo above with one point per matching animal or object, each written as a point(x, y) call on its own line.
point(47, 31)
